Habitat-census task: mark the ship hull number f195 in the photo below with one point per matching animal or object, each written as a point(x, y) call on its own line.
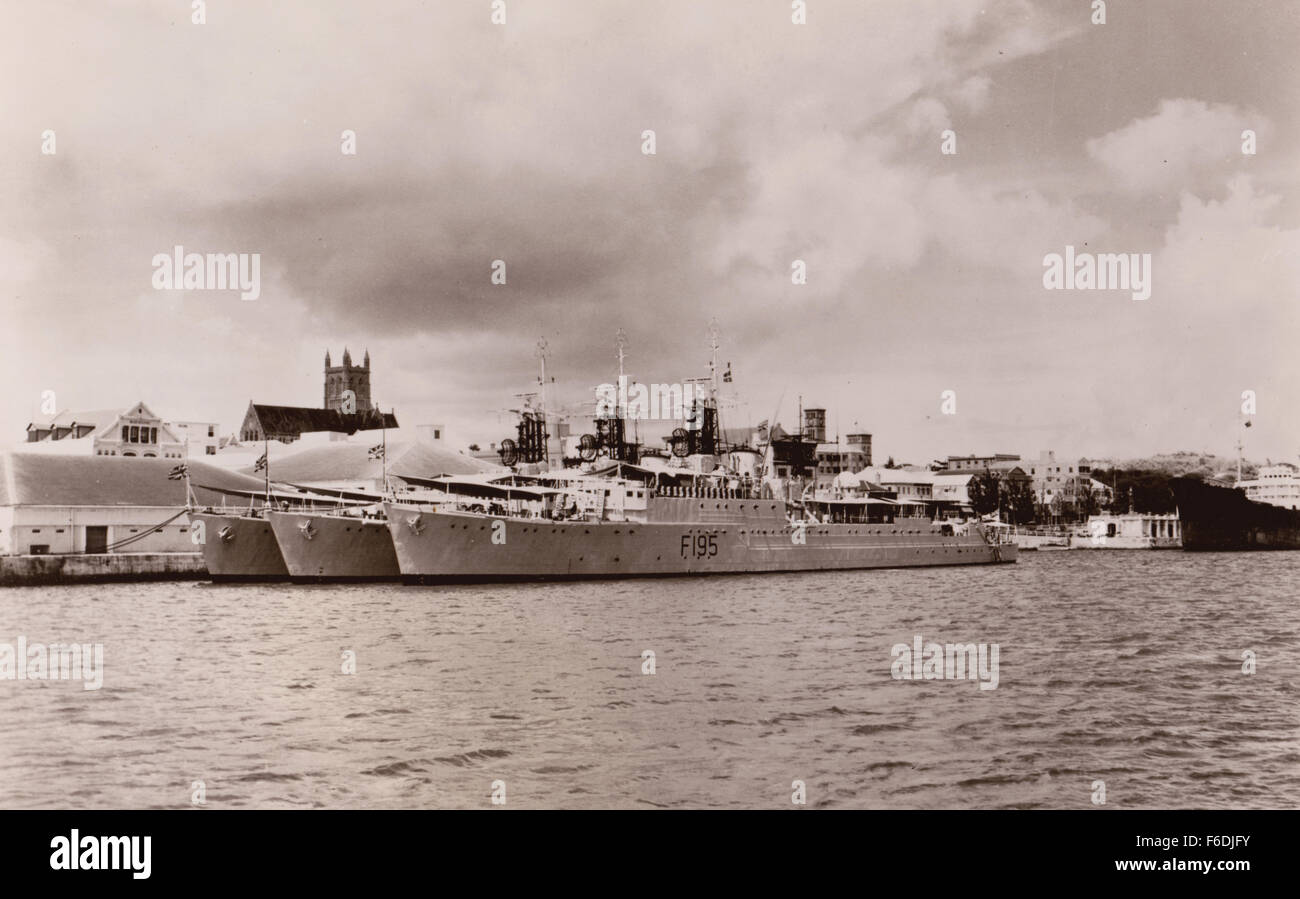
point(699, 545)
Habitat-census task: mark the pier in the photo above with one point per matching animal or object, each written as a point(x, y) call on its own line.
point(44, 570)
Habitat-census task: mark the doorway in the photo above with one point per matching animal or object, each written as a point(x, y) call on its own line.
point(96, 538)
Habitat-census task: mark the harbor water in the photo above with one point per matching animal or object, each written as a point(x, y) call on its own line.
point(1124, 668)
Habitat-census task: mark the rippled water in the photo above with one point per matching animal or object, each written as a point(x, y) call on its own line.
point(1123, 667)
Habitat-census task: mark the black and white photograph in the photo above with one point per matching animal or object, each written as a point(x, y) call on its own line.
point(681, 409)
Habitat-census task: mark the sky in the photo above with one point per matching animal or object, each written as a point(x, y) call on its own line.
point(774, 142)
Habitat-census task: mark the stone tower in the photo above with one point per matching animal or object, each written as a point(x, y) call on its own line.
point(347, 376)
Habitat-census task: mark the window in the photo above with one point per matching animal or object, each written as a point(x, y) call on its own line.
point(210, 450)
point(212, 430)
point(126, 434)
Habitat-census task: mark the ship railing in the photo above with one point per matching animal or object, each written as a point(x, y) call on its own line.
point(1043, 530)
point(245, 509)
point(692, 492)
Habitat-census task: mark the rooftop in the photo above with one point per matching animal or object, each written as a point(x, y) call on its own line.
point(351, 461)
point(42, 479)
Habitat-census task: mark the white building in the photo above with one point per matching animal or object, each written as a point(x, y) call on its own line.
point(1062, 478)
point(136, 431)
point(54, 503)
point(200, 437)
point(908, 483)
point(953, 487)
point(835, 458)
point(1278, 485)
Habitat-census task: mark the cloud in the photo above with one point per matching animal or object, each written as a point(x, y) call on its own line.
point(1177, 146)
point(928, 117)
point(973, 93)
point(522, 142)
point(23, 260)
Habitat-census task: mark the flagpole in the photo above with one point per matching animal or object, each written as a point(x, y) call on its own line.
point(266, 454)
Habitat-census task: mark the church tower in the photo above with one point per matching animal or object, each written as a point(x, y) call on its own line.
point(347, 376)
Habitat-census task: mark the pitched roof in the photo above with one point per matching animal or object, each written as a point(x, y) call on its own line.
point(100, 418)
point(350, 461)
point(292, 421)
point(952, 477)
point(1008, 467)
point(41, 479)
point(900, 476)
point(856, 449)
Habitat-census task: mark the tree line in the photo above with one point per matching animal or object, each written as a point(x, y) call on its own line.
point(1074, 500)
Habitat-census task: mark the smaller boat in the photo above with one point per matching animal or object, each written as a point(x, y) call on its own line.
point(1040, 538)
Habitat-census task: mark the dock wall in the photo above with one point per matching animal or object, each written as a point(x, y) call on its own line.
point(26, 571)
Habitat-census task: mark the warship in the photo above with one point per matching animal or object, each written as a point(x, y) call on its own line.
point(709, 509)
point(238, 545)
point(348, 545)
point(638, 528)
point(349, 541)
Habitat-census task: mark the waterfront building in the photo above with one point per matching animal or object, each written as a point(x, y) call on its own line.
point(55, 503)
point(1059, 482)
point(1010, 473)
point(853, 455)
point(912, 489)
point(1131, 530)
point(974, 463)
point(951, 489)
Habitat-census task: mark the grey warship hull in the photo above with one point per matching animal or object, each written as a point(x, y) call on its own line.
point(689, 537)
point(239, 547)
point(319, 547)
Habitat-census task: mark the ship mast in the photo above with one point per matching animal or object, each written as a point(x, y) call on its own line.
point(1241, 432)
point(621, 402)
point(541, 358)
point(713, 362)
point(719, 442)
